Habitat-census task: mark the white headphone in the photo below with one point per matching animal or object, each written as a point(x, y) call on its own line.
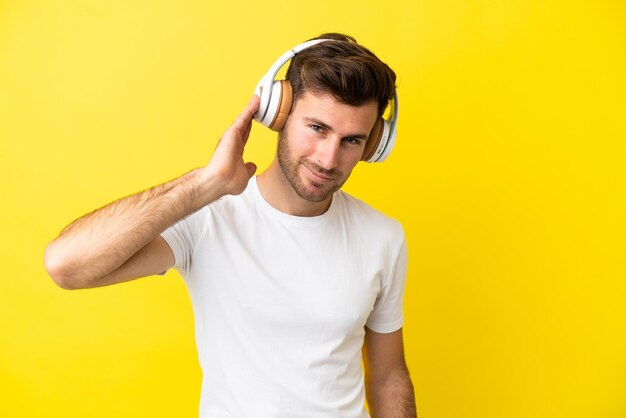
point(277, 96)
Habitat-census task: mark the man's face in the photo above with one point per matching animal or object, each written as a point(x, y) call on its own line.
point(321, 143)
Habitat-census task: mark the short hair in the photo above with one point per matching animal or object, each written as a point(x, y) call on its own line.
point(349, 72)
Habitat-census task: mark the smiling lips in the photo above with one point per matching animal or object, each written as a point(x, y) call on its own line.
point(317, 176)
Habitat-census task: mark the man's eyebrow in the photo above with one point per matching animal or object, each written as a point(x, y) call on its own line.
point(330, 129)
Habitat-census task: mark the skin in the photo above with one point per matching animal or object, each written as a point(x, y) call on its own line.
point(322, 142)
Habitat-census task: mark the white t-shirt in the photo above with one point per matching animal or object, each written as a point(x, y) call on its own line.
point(280, 302)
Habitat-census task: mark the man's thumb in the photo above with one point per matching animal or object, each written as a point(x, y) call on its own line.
point(251, 167)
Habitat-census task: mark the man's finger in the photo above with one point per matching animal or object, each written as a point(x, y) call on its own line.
point(248, 113)
point(245, 132)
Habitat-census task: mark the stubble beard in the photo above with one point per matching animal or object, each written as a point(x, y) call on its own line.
point(290, 167)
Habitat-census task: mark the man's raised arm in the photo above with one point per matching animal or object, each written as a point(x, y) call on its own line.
point(121, 242)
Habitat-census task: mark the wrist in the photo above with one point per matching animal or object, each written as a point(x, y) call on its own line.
point(207, 186)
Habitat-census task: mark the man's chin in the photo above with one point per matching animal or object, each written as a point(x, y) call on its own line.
point(314, 192)
point(313, 197)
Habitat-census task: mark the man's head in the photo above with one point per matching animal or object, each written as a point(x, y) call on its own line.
point(340, 90)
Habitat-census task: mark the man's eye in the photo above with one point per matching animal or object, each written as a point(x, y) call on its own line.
point(352, 140)
point(316, 128)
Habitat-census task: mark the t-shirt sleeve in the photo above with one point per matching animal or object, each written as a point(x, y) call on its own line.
point(387, 315)
point(182, 238)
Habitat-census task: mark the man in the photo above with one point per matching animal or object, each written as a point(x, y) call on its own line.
point(292, 281)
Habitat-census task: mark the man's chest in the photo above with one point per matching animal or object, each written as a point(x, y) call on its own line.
point(316, 283)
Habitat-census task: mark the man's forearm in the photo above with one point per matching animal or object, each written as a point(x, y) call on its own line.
point(392, 398)
point(99, 242)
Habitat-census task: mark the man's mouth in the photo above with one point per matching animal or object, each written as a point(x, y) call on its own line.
point(317, 176)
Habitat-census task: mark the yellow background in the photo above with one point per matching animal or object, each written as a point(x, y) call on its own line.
point(508, 175)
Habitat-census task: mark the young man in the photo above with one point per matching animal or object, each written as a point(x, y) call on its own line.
point(292, 281)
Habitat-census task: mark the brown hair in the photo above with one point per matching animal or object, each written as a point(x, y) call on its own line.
point(351, 73)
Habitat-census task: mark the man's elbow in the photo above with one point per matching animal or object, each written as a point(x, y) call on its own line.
point(58, 270)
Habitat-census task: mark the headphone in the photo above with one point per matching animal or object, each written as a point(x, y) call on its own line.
point(277, 97)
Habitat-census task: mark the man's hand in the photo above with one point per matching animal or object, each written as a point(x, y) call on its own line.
point(227, 165)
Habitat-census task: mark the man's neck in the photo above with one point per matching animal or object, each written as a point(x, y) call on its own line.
point(278, 192)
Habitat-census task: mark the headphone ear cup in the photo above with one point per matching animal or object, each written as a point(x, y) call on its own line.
point(284, 106)
point(272, 103)
point(376, 135)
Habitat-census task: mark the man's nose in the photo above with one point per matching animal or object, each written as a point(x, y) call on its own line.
point(328, 153)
